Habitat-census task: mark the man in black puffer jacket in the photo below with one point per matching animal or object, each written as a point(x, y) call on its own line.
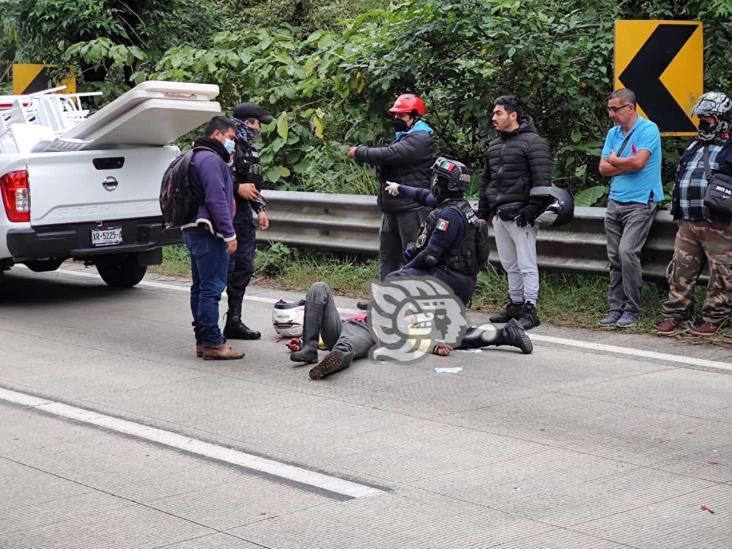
point(516, 160)
point(408, 161)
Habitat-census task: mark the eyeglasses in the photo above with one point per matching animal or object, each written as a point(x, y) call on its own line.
point(617, 109)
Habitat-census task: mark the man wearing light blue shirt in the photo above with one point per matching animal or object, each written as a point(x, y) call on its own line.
point(631, 156)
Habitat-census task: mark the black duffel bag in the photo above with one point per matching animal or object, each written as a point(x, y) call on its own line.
point(718, 195)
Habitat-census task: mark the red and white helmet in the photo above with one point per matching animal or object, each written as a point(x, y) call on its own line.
point(408, 103)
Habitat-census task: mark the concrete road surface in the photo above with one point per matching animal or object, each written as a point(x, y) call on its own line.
point(114, 435)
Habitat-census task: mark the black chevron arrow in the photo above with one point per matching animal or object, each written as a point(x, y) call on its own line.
point(643, 75)
point(39, 82)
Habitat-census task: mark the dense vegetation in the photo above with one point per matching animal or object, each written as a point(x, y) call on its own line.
point(329, 69)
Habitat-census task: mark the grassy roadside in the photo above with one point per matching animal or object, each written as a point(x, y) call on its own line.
point(566, 299)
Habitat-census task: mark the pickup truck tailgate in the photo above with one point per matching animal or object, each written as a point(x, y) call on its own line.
point(96, 186)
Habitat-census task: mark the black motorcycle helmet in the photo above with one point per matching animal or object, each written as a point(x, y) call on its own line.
point(450, 178)
point(559, 209)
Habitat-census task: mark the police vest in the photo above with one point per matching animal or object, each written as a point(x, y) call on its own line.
point(462, 257)
point(247, 168)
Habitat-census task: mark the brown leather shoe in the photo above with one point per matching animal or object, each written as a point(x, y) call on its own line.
point(668, 326)
point(706, 329)
point(199, 350)
point(221, 352)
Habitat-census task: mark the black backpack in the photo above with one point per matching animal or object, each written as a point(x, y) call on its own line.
point(178, 200)
point(482, 251)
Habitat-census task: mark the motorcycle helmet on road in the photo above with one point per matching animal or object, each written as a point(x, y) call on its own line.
point(287, 318)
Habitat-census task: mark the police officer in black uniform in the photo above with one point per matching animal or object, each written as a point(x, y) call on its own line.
point(447, 247)
point(453, 246)
point(247, 188)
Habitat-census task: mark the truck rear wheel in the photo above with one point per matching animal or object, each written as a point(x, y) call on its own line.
point(121, 271)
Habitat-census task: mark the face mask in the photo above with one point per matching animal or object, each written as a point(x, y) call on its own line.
point(707, 130)
point(246, 133)
point(252, 133)
point(435, 188)
point(229, 145)
point(399, 125)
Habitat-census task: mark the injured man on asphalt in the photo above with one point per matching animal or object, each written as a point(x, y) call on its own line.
point(355, 337)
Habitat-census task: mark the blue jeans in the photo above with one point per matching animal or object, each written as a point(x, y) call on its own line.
point(209, 265)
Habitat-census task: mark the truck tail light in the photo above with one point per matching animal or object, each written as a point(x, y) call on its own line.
point(16, 195)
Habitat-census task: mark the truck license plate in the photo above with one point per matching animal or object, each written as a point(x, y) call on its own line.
point(106, 236)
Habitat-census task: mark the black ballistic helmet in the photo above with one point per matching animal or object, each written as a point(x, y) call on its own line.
point(250, 110)
point(449, 177)
point(559, 210)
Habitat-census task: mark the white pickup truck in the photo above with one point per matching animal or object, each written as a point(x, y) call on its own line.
point(87, 187)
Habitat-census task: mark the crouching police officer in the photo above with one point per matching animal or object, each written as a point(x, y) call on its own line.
point(453, 246)
point(448, 245)
point(247, 188)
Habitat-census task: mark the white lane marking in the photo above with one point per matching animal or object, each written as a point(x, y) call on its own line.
point(636, 353)
point(179, 288)
point(633, 352)
point(193, 446)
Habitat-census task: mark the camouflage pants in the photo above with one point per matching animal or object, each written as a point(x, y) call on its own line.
point(695, 242)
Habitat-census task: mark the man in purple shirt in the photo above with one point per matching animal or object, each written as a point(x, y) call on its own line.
point(210, 236)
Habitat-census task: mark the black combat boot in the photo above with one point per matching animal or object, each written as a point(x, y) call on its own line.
point(334, 362)
point(308, 352)
point(474, 338)
point(513, 334)
point(512, 310)
point(235, 328)
point(529, 317)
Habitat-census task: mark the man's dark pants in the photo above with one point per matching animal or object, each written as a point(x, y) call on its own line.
point(241, 266)
point(345, 336)
point(209, 264)
point(626, 226)
point(463, 285)
point(397, 230)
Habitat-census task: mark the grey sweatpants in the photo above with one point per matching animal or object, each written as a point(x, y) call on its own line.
point(339, 335)
point(517, 251)
point(626, 226)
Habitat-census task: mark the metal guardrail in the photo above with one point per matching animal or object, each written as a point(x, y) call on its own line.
point(350, 223)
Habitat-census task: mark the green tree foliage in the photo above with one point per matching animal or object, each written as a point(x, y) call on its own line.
point(106, 40)
point(328, 70)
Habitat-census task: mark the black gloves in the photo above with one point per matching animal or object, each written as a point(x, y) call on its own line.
point(410, 251)
point(523, 218)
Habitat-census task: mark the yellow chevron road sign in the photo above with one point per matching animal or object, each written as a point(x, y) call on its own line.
point(663, 63)
point(31, 78)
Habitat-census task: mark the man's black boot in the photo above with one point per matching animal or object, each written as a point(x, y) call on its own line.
point(308, 352)
point(474, 338)
point(513, 334)
point(363, 305)
point(529, 317)
point(235, 328)
point(334, 362)
point(512, 310)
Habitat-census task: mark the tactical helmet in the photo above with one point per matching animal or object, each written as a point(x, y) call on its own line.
point(719, 106)
point(408, 103)
point(559, 210)
point(287, 318)
point(449, 176)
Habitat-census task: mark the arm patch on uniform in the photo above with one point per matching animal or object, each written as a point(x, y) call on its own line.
point(442, 224)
